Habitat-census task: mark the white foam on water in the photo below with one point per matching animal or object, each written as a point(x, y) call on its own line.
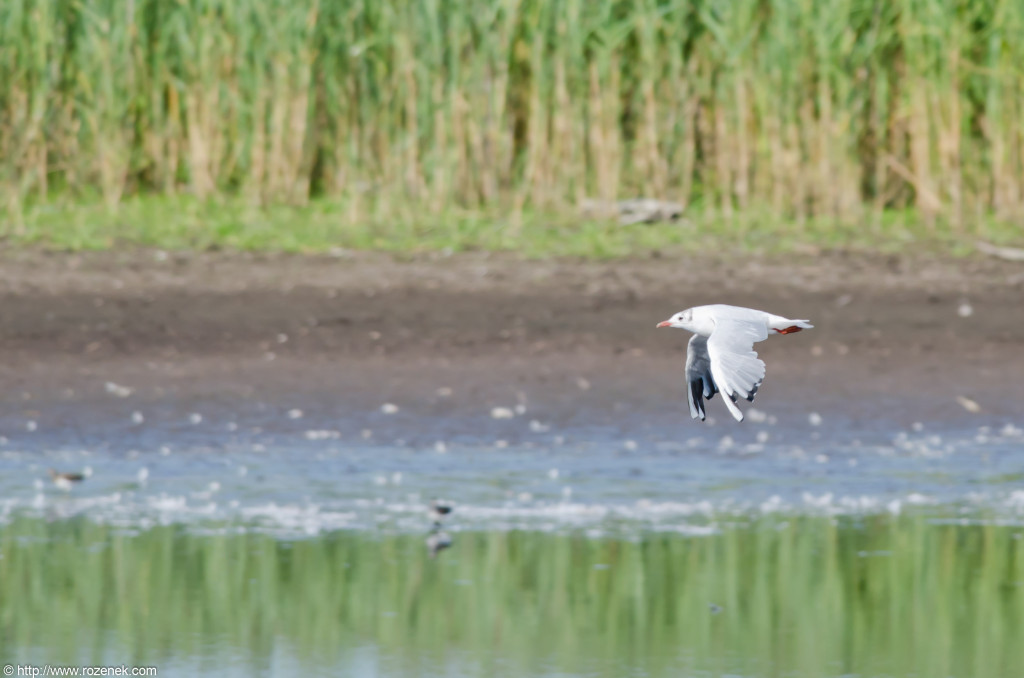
point(324, 480)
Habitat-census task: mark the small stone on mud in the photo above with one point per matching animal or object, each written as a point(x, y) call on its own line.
point(970, 405)
point(757, 416)
point(389, 408)
point(322, 435)
point(195, 418)
point(295, 414)
point(502, 413)
point(814, 418)
point(117, 390)
point(137, 418)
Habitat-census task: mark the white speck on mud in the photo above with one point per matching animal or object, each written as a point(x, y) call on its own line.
point(970, 405)
point(117, 390)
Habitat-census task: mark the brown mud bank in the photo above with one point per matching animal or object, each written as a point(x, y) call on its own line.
point(895, 337)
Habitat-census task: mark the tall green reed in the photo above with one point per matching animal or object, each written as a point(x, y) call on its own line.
point(839, 109)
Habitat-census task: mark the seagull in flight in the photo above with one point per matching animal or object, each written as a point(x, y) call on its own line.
point(720, 356)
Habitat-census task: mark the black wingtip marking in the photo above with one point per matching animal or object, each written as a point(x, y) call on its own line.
point(696, 392)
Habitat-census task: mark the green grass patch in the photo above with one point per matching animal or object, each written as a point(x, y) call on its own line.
point(183, 223)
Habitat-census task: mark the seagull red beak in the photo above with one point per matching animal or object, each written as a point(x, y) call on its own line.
point(665, 323)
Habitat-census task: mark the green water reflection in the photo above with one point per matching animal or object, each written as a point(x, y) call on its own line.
point(809, 597)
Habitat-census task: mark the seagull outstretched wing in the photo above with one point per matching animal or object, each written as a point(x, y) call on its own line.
point(735, 368)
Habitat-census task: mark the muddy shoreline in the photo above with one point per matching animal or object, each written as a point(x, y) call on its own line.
point(895, 336)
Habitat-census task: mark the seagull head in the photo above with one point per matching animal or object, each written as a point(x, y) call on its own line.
point(681, 320)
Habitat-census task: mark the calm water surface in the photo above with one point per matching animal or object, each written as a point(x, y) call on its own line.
point(229, 543)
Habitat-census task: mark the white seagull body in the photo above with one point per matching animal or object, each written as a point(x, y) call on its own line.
point(721, 356)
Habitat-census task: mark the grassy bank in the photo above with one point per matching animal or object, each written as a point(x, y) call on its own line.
point(800, 117)
point(801, 597)
point(323, 225)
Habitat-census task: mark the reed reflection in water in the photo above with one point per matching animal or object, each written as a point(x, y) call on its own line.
point(807, 596)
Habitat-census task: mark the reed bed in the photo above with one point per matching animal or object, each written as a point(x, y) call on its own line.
point(836, 110)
